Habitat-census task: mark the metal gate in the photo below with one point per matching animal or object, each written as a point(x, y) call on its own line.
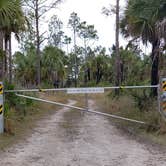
point(86, 90)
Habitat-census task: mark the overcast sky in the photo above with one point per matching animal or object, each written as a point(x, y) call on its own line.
point(90, 11)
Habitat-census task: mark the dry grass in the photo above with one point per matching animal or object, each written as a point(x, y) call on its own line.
point(125, 106)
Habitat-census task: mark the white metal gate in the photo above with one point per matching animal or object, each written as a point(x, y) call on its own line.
point(86, 91)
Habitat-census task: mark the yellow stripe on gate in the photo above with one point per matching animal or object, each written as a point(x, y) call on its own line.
point(1, 109)
point(164, 85)
point(1, 89)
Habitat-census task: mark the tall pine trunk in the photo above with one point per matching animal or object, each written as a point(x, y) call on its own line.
point(75, 59)
point(155, 65)
point(1, 54)
point(6, 57)
point(37, 45)
point(118, 72)
point(10, 60)
point(86, 79)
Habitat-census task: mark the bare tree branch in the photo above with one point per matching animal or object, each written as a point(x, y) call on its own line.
point(29, 5)
point(51, 6)
point(41, 41)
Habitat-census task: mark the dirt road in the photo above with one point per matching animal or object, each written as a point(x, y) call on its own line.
point(71, 139)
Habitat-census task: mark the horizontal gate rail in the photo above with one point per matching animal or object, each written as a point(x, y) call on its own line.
point(50, 102)
point(34, 90)
point(83, 109)
point(65, 89)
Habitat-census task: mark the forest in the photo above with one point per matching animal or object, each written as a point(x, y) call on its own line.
point(54, 59)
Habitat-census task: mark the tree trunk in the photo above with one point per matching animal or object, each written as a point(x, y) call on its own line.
point(155, 65)
point(86, 68)
point(1, 54)
point(89, 75)
point(118, 72)
point(10, 60)
point(37, 44)
point(98, 74)
point(5, 56)
point(75, 58)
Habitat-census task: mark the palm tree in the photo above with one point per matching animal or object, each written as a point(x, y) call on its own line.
point(17, 25)
point(161, 24)
point(53, 64)
point(139, 21)
point(25, 66)
point(161, 27)
point(11, 20)
point(5, 16)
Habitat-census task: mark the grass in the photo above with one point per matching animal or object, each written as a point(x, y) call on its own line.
point(125, 106)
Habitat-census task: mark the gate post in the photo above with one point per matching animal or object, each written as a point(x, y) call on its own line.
point(1, 109)
point(86, 101)
point(159, 97)
point(163, 86)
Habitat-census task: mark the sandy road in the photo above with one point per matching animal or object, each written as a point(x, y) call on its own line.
point(68, 138)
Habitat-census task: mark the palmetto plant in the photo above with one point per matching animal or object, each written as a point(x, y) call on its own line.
point(139, 21)
point(53, 64)
point(25, 66)
point(161, 24)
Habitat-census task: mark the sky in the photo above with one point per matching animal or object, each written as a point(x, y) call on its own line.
point(91, 12)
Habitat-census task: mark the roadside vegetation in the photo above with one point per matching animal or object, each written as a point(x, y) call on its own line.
point(141, 108)
point(49, 59)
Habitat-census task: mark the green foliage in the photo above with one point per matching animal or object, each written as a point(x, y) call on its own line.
point(74, 22)
point(87, 32)
point(135, 70)
point(25, 66)
point(11, 100)
point(53, 64)
point(56, 33)
point(142, 24)
point(135, 67)
point(2, 54)
point(140, 20)
point(143, 100)
point(10, 10)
